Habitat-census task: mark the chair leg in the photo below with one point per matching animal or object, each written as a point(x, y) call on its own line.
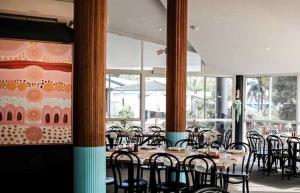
point(283, 165)
point(269, 166)
point(225, 182)
point(221, 181)
point(247, 186)
point(254, 158)
point(243, 186)
point(258, 163)
point(264, 164)
point(142, 172)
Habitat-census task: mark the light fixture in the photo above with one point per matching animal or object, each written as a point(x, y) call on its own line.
point(160, 29)
point(267, 48)
point(161, 51)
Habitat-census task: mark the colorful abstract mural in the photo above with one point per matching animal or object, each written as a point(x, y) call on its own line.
point(35, 92)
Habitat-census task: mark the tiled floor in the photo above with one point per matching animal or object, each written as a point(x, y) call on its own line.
point(260, 183)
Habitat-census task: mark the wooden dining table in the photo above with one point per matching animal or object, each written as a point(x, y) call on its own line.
point(224, 160)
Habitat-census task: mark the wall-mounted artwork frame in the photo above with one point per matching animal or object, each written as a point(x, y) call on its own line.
point(35, 92)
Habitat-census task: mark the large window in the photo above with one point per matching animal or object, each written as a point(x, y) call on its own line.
point(136, 87)
point(195, 97)
point(209, 102)
point(155, 101)
point(209, 97)
point(123, 96)
point(271, 104)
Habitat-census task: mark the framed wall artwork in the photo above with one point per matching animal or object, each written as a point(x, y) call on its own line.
point(35, 92)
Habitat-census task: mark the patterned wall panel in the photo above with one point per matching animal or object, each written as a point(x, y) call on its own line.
point(35, 92)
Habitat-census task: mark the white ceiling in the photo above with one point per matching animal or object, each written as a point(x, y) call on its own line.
point(232, 35)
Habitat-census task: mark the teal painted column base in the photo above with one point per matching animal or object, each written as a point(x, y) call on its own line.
point(89, 169)
point(176, 136)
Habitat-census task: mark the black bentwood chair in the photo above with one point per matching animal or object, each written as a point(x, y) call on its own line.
point(200, 172)
point(259, 149)
point(165, 174)
point(240, 174)
point(132, 182)
point(211, 190)
point(113, 138)
point(116, 128)
point(276, 152)
point(137, 137)
point(294, 154)
point(154, 136)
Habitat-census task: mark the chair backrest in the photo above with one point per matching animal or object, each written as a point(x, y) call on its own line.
point(187, 142)
point(113, 138)
point(244, 166)
point(248, 134)
point(115, 127)
point(228, 138)
point(201, 139)
point(257, 143)
point(120, 160)
point(275, 144)
point(164, 168)
point(153, 137)
point(293, 148)
point(190, 134)
point(159, 133)
point(154, 128)
point(161, 141)
point(135, 136)
point(135, 128)
point(251, 132)
point(211, 190)
point(200, 171)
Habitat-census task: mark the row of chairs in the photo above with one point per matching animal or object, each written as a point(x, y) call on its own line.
point(196, 139)
point(272, 153)
point(152, 128)
point(166, 172)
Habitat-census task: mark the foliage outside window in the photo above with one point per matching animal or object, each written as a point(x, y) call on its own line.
point(271, 104)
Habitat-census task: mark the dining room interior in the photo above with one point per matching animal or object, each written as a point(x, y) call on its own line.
point(191, 96)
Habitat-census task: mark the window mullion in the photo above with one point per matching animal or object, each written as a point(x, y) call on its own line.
point(270, 99)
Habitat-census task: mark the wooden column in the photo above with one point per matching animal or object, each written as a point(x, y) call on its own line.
point(90, 26)
point(176, 67)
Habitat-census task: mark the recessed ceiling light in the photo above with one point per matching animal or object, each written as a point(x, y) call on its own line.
point(194, 28)
point(267, 48)
point(160, 29)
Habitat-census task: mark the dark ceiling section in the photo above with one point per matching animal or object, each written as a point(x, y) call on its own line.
point(43, 29)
